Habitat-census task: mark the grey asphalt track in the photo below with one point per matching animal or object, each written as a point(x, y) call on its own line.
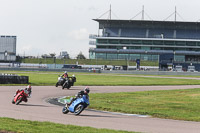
point(38, 109)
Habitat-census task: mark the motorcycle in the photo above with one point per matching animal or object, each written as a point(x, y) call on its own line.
point(19, 97)
point(61, 81)
point(73, 79)
point(77, 106)
point(66, 82)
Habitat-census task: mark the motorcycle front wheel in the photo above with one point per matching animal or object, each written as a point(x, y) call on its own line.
point(13, 102)
point(57, 84)
point(65, 110)
point(19, 101)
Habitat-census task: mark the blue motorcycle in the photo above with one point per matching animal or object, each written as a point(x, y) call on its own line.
point(77, 106)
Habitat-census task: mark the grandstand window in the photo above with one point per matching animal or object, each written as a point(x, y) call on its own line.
point(113, 41)
point(155, 57)
point(119, 47)
point(179, 58)
point(134, 56)
point(112, 56)
point(145, 57)
point(100, 55)
point(157, 42)
point(102, 47)
point(169, 42)
point(92, 55)
point(156, 48)
point(180, 49)
point(192, 58)
point(135, 47)
point(102, 41)
point(198, 43)
point(145, 48)
point(180, 43)
point(112, 47)
point(123, 56)
point(193, 49)
point(168, 48)
point(191, 43)
point(136, 41)
point(125, 41)
point(147, 42)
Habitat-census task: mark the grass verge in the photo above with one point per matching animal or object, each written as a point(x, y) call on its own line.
point(170, 104)
point(88, 79)
point(25, 126)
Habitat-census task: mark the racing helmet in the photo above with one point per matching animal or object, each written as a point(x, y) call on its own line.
point(29, 87)
point(87, 89)
point(65, 72)
point(73, 75)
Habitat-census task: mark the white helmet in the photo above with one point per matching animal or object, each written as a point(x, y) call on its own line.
point(29, 87)
point(73, 75)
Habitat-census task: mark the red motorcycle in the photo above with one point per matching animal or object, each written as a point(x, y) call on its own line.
point(19, 97)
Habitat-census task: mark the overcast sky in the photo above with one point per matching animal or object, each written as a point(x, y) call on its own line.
point(52, 26)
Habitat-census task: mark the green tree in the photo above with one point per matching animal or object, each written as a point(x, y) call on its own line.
point(52, 55)
point(80, 56)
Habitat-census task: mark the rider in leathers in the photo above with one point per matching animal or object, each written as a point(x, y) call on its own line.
point(80, 94)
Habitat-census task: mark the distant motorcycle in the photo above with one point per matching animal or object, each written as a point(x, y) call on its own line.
point(19, 97)
point(73, 79)
point(66, 82)
point(61, 81)
point(77, 106)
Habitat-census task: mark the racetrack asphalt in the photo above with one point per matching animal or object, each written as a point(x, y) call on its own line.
point(37, 109)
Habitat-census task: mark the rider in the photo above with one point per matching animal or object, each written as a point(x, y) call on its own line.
point(80, 94)
point(65, 75)
point(27, 90)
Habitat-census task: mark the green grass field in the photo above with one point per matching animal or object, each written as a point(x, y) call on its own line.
point(170, 104)
point(24, 126)
point(98, 79)
point(175, 104)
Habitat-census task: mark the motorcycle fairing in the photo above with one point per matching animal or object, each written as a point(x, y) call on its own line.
point(83, 100)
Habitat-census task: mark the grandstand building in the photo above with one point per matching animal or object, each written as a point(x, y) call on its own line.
point(146, 40)
point(7, 48)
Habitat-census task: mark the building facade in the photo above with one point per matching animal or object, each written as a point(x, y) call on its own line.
point(146, 40)
point(8, 48)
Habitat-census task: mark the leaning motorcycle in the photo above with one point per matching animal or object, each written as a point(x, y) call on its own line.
point(19, 97)
point(61, 81)
point(66, 84)
point(77, 106)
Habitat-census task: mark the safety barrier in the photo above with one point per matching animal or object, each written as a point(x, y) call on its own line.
point(13, 79)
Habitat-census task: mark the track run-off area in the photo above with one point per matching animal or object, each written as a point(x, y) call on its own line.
point(38, 109)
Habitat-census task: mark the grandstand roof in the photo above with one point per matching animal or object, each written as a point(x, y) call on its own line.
point(103, 23)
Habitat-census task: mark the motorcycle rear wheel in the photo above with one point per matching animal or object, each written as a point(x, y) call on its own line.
point(78, 109)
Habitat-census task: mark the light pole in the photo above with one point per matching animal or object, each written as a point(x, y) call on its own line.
point(174, 56)
point(5, 55)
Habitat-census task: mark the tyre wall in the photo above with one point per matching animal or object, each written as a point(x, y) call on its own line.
point(13, 79)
